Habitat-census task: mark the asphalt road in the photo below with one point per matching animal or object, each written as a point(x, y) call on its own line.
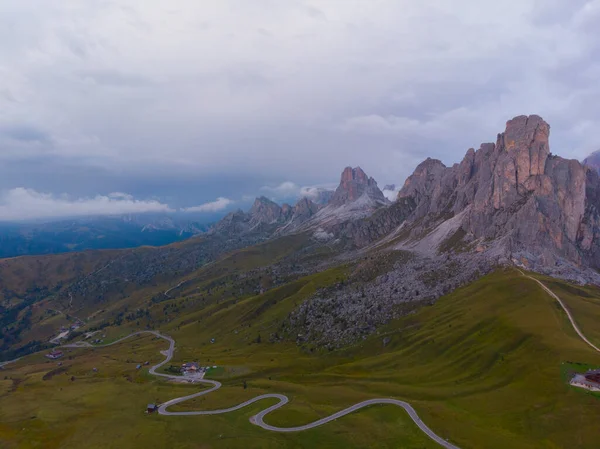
point(259, 418)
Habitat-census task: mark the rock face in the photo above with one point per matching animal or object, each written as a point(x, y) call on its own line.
point(513, 195)
point(267, 217)
point(593, 161)
point(265, 211)
point(303, 210)
point(355, 184)
point(510, 199)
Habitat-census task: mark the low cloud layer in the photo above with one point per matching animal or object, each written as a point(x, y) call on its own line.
point(290, 191)
point(24, 204)
point(391, 194)
point(219, 204)
point(286, 189)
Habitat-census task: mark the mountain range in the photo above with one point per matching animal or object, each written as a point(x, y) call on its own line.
point(507, 203)
point(430, 297)
point(511, 200)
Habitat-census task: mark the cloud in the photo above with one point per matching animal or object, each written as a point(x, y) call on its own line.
point(214, 206)
point(308, 91)
point(24, 133)
point(286, 189)
point(24, 204)
point(318, 194)
point(289, 190)
point(391, 194)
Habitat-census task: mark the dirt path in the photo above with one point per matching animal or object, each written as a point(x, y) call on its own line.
point(562, 304)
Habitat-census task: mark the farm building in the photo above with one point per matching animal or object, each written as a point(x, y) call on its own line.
point(589, 381)
point(190, 368)
point(151, 408)
point(54, 354)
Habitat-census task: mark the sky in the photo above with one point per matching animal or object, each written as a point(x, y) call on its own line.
point(143, 105)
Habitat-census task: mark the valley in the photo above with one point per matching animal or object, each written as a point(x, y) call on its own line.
point(485, 360)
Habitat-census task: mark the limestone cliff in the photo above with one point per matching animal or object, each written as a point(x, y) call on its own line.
point(514, 196)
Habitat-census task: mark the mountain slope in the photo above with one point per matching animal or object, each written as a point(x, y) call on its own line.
point(514, 199)
point(482, 367)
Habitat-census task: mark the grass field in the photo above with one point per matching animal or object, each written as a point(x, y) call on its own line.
point(483, 367)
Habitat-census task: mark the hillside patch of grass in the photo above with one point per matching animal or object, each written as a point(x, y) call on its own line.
point(483, 367)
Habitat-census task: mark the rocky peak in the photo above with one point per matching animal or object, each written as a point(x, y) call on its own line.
point(265, 211)
point(286, 209)
point(521, 154)
point(355, 183)
point(422, 183)
point(593, 161)
point(303, 211)
point(232, 223)
point(514, 196)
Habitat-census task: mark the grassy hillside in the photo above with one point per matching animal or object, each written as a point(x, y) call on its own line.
point(484, 367)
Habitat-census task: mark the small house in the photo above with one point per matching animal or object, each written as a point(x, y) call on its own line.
point(55, 354)
point(151, 408)
point(138, 366)
point(190, 368)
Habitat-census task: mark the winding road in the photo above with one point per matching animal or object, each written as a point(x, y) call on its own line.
point(564, 307)
point(259, 418)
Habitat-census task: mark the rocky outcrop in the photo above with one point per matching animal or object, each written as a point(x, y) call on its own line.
point(304, 210)
point(265, 211)
point(355, 184)
point(593, 161)
point(236, 222)
point(513, 196)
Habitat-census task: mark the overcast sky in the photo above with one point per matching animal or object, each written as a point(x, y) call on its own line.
point(203, 104)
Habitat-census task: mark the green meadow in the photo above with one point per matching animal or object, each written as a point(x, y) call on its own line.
point(485, 367)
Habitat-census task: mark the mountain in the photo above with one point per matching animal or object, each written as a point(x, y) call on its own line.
point(512, 199)
point(265, 211)
point(355, 185)
point(508, 203)
point(80, 234)
point(420, 292)
point(593, 161)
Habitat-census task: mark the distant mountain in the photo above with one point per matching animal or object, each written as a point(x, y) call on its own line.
point(593, 161)
point(17, 239)
point(318, 195)
point(509, 201)
point(356, 185)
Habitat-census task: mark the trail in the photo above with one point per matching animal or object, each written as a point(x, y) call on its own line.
point(259, 418)
point(562, 304)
